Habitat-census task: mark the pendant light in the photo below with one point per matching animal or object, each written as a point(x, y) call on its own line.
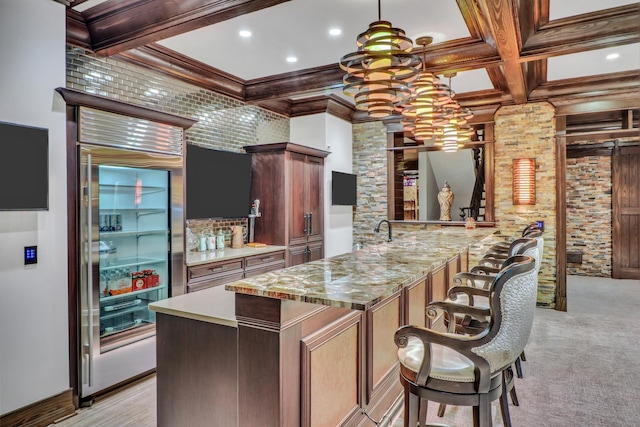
point(379, 72)
point(423, 115)
point(456, 131)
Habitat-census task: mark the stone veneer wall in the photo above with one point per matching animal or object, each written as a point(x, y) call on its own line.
point(589, 215)
point(370, 165)
point(525, 131)
point(223, 123)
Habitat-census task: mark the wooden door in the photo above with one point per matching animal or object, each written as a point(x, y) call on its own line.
point(315, 176)
point(297, 199)
point(626, 213)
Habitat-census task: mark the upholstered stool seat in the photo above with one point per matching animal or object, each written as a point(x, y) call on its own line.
point(450, 368)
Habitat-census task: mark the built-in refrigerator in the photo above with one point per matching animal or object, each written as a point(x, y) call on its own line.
point(131, 230)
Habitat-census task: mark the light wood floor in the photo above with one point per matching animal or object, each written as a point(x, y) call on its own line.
point(133, 406)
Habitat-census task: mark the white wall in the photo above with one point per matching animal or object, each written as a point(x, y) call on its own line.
point(34, 362)
point(327, 132)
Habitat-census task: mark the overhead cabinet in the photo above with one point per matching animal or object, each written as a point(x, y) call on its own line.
point(288, 180)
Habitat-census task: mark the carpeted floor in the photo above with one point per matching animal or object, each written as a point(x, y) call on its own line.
point(583, 365)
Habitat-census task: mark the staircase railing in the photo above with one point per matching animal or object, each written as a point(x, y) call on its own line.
point(477, 197)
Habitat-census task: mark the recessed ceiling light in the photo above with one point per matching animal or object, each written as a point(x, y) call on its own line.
point(245, 33)
point(292, 59)
point(335, 31)
point(613, 56)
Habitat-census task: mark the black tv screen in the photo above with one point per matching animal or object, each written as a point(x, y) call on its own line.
point(343, 188)
point(218, 183)
point(24, 168)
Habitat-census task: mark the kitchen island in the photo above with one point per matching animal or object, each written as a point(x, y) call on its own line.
point(308, 345)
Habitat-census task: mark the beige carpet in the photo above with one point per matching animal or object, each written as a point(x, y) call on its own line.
point(583, 366)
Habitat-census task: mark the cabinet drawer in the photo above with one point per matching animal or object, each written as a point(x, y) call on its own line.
point(217, 280)
point(210, 271)
point(257, 261)
point(264, 268)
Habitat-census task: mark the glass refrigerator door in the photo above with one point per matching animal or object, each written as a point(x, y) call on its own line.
point(133, 221)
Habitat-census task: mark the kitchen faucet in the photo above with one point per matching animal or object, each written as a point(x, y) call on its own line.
point(377, 229)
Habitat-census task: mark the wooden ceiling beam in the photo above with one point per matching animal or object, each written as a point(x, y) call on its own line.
point(294, 83)
point(597, 85)
point(503, 24)
point(116, 25)
point(596, 30)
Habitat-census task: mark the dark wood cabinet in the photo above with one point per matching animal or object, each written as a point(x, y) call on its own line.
point(216, 273)
point(288, 180)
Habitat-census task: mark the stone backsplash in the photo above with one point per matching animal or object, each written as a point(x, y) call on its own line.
point(199, 227)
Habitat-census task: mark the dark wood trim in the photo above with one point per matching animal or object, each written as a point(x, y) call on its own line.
point(561, 215)
point(595, 30)
point(41, 413)
point(169, 62)
point(115, 28)
point(624, 100)
point(286, 146)
point(299, 82)
point(602, 135)
point(322, 104)
point(77, 31)
point(489, 173)
point(601, 84)
point(79, 98)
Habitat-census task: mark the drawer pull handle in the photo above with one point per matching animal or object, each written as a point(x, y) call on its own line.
point(269, 258)
point(218, 268)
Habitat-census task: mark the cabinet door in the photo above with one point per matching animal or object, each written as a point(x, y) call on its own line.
point(297, 193)
point(297, 255)
point(315, 251)
point(314, 175)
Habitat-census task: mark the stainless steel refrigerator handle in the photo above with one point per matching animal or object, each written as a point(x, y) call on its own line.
point(89, 271)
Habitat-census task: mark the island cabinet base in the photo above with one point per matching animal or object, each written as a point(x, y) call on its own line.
point(303, 364)
point(197, 381)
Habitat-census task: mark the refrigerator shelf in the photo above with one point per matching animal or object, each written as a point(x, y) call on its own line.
point(123, 327)
point(123, 312)
point(104, 300)
point(138, 210)
point(146, 189)
point(131, 262)
point(126, 233)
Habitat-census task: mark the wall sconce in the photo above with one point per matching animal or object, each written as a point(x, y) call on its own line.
point(524, 182)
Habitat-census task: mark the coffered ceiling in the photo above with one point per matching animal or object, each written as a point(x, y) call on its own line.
point(504, 51)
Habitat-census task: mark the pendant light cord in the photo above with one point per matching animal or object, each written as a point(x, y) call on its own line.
point(379, 11)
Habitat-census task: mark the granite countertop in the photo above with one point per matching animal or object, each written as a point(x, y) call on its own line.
point(196, 258)
point(359, 280)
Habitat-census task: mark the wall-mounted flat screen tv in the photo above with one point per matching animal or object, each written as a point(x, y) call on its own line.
point(24, 168)
point(218, 183)
point(343, 188)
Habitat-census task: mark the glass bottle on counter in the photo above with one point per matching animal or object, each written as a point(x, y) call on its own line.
point(220, 240)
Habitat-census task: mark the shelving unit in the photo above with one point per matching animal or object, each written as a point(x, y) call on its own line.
point(134, 223)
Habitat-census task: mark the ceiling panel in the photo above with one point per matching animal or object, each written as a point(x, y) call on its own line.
point(300, 28)
point(565, 8)
point(594, 62)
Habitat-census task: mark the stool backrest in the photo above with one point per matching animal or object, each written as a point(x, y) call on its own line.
point(513, 296)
